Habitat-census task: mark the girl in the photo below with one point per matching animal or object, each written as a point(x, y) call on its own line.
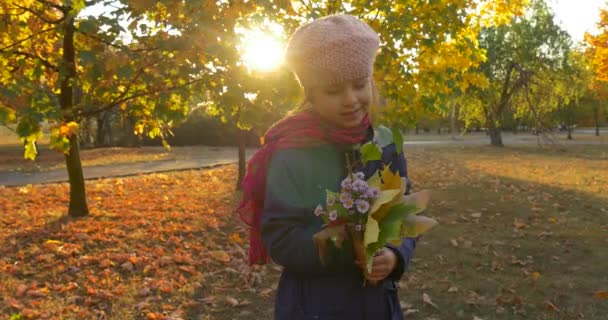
point(304, 155)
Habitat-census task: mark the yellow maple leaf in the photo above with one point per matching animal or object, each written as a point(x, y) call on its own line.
point(390, 180)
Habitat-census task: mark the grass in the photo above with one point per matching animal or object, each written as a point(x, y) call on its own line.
point(523, 235)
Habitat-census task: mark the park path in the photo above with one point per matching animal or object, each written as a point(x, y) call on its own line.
point(16, 178)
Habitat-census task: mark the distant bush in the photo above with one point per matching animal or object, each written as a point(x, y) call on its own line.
point(203, 129)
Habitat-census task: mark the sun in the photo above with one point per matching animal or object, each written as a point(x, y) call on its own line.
point(261, 51)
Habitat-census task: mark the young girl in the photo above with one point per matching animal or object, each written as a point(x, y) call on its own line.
point(304, 155)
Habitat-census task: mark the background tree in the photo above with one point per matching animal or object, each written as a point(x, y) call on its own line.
point(63, 68)
point(530, 46)
point(598, 55)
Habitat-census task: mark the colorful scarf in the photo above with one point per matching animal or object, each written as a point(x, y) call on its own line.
point(302, 130)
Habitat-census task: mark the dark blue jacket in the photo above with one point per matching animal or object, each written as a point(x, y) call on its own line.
point(296, 183)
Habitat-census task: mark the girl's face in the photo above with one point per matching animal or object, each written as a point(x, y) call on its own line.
point(345, 104)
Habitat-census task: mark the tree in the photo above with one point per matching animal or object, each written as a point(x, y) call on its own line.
point(576, 84)
point(519, 55)
point(598, 55)
point(61, 67)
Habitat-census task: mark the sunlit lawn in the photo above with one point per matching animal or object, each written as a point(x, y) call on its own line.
point(523, 235)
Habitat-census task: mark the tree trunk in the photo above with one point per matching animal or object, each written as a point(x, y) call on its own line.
point(78, 201)
point(495, 137)
point(99, 138)
point(596, 114)
point(242, 160)
point(453, 120)
point(494, 130)
point(416, 129)
point(569, 128)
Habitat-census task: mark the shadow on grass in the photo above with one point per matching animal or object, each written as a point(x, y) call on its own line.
point(518, 248)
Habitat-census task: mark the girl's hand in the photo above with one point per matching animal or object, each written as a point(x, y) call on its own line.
point(383, 264)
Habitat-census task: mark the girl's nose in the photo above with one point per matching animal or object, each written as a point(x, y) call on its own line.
point(350, 97)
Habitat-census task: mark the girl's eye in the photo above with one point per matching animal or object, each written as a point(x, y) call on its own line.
point(332, 90)
point(360, 85)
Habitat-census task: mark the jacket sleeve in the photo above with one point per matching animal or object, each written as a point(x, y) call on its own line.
point(288, 224)
point(405, 251)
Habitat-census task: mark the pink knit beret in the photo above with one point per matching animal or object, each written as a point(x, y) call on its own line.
point(331, 50)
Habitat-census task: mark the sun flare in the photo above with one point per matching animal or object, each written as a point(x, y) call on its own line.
point(261, 51)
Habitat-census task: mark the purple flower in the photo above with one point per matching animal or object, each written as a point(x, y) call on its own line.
point(319, 210)
point(369, 194)
point(362, 205)
point(360, 175)
point(345, 196)
point(375, 192)
point(333, 215)
point(360, 186)
point(346, 184)
point(348, 203)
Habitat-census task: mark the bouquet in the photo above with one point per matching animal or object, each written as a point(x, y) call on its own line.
point(372, 212)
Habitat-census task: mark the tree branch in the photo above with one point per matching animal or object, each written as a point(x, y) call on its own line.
point(61, 8)
point(124, 98)
point(46, 63)
point(115, 45)
point(26, 39)
point(41, 15)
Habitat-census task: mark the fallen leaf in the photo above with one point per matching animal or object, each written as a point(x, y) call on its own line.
point(127, 266)
point(551, 306)
point(454, 242)
point(427, 300)
point(20, 290)
point(453, 289)
point(535, 275)
point(602, 294)
point(519, 225)
point(236, 238)
point(410, 311)
point(405, 305)
point(232, 301)
point(220, 255)
point(15, 304)
point(476, 215)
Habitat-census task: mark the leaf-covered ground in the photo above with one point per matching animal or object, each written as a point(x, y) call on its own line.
point(523, 235)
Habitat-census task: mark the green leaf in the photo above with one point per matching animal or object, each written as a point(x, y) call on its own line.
point(125, 72)
point(383, 136)
point(374, 181)
point(390, 227)
point(7, 115)
point(398, 139)
point(59, 143)
point(370, 152)
point(385, 196)
point(87, 56)
point(415, 225)
point(90, 25)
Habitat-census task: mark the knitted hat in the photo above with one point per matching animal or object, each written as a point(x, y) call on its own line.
point(331, 50)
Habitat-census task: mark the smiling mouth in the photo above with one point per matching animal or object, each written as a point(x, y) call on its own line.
point(351, 113)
